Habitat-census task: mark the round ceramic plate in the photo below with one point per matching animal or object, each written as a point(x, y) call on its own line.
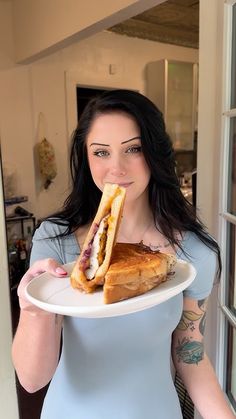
point(57, 296)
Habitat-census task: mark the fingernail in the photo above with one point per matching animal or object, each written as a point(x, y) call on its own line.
point(61, 271)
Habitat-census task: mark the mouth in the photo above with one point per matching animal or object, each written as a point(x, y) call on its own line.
point(123, 184)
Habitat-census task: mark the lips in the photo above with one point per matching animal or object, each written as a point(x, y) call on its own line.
point(123, 184)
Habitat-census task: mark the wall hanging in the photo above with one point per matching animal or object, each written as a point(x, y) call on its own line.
point(46, 158)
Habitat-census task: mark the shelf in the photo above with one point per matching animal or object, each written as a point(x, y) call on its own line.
point(19, 218)
point(15, 200)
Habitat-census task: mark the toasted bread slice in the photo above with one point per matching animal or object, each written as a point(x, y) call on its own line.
point(134, 270)
point(109, 213)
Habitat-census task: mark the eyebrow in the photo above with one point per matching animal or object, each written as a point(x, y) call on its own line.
point(131, 139)
point(123, 142)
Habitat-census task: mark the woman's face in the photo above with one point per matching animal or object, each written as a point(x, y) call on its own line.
point(115, 154)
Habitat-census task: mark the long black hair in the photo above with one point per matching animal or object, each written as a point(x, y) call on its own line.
point(171, 211)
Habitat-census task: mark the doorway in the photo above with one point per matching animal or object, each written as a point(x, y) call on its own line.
point(84, 94)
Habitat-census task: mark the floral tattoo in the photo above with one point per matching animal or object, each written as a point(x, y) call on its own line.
point(188, 350)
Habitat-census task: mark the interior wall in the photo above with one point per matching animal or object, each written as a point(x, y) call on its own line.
point(8, 397)
point(7, 50)
point(16, 129)
point(75, 20)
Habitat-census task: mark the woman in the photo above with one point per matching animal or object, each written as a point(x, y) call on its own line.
point(119, 367)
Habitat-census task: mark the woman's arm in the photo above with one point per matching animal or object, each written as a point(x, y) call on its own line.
point(193, 365)
point(36, 345)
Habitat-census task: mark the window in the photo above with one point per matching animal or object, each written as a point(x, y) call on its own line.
point(231, 364)
point(228, 206)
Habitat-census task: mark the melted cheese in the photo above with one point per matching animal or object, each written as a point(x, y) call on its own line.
point(99, 243)
point(95, 252)
point(101, 253)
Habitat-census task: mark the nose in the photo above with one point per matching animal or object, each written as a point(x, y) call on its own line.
point(118, 167)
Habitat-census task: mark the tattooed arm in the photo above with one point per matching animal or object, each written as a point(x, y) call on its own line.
point(193, 365)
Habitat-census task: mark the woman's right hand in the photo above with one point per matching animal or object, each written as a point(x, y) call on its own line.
point(45, 265)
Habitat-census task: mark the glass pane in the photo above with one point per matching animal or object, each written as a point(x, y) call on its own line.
point(233, 67)
point(179, 119)
point(231, 274)
point(232, 168)
point(231, 366)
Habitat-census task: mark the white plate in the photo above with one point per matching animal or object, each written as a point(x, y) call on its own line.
point(57, 296)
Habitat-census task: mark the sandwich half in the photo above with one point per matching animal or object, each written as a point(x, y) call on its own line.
point(91, 266)
point(134, 270)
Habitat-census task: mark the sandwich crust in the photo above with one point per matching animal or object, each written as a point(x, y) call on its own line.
point(134, 270)
point(111, 204)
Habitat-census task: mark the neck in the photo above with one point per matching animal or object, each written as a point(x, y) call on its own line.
point(137, 219)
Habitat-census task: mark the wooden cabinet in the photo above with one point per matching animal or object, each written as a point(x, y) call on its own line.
point(173, 87)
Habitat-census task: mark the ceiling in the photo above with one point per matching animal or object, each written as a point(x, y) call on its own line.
point(173, 22)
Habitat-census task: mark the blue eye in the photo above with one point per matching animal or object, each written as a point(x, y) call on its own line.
point(134, 149)
point(101, 153)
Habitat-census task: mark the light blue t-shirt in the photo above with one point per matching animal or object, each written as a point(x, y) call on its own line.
point(119, 367)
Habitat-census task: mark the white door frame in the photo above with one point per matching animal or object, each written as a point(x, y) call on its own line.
point(212, 89)
point(8, 396)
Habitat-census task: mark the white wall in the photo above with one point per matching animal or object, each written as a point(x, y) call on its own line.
point(8, 398)
point(7, 50)
point(54, 24)
point(16, 128)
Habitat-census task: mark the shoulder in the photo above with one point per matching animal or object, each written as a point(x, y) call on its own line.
point(49, 241)
point(204, 260)
point(49, 229)
point(196, 251)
